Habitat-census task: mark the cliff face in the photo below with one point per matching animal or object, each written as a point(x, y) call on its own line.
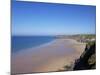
point(88, 58)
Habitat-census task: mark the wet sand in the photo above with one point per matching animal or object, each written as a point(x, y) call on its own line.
point(49, 57)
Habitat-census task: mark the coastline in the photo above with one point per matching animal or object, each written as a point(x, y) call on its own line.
point(48, 57)
point(34, 47)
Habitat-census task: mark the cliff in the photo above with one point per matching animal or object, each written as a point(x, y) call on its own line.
point(88, 58)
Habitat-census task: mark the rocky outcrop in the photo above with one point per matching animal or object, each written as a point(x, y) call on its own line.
point(88, 58)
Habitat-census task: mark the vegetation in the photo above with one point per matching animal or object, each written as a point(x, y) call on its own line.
point(79, 37)
point(84, 37)
point(88, 58)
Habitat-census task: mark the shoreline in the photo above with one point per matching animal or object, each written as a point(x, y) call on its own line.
point(27, 49)
point(48, 57)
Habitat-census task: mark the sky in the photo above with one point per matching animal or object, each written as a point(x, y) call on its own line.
point(35, 18)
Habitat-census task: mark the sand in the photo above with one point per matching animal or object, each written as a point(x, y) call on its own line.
point(49, 57)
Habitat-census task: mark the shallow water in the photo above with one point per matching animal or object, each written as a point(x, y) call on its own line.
point(23, 42)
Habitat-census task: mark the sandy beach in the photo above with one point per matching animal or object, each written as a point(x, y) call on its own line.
point(49, 57)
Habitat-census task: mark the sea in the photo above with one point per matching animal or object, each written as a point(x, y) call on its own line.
point(19, 43)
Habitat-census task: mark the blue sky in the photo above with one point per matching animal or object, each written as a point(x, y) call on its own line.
point(34, 18)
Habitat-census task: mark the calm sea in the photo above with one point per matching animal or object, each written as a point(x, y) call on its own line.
point(19, 43)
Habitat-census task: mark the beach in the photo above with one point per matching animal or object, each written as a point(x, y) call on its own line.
point(48, 57)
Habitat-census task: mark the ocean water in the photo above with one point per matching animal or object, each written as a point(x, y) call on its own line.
point(19, 43)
